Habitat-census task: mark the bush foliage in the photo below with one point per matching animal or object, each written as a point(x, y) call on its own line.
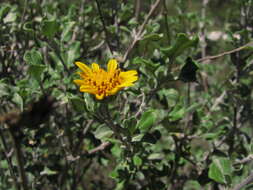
point(186, 123)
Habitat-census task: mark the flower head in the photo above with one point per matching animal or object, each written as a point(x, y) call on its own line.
point(101, 83)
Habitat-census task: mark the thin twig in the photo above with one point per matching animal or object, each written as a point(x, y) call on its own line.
point(247, 181)
point(116, 128)
point(55, 48)
point(245, 160)
point(165, 13)
point(137, 9)
point(189, 94)
point(203, 29)
point(217, 102)
point(139, 34)
point(99, 148)
point(42, 88)
point(23, 13)
point(141, 106)
point(20, 160)
point(83, 169)
point(116, 24)
point(11, 168)
point(225, 53)
point(104, 26)
point(84, 132)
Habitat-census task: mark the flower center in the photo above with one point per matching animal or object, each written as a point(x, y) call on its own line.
point(104, 81)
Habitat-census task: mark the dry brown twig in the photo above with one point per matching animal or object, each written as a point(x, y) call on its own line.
point(245, 160)
point(247, 181)
point(138, 35)
point(225, 53)
point(99, 148)
point(142, 104)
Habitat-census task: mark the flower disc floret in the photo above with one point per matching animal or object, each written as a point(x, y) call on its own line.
point(101, 83)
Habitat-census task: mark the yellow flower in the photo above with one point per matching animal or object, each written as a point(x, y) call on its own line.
point(101, 83)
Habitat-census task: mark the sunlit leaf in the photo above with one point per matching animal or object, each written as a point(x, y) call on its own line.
point(182, 43)
point(148, 118)
point(103, 132)
point(219, 169)
point(48, 171)
point(137, 160)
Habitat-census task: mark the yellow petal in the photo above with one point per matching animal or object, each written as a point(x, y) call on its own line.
point(128, 74)
point(125, 84)
point(79, 82)
point(131, 79)
point(114, 91)
point(95, 67)
point(88, 89)
point(82, 74)
point(128, 81)
point(99, 97)
point(83, 67)
point(112, 65)
point(125, 78)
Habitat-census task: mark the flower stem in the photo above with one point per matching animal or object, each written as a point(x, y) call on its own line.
point(117, 129)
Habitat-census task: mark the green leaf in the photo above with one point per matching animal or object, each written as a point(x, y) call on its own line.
point(188, 71)
point(88, 9)
point(114, 174)
point(4, 91)
point(215, 173)
point(191, 184)
point(137, 160)
point(211, 136)
point(194, 106)
point(67, 31)
point(177, 113)
point(226, 166)
point(49, 27)
point(144, 62)
point(73, 52)
point(33, 57)
point(35, 71)
point(18, 100)
point(137, 138)
point(116, 150)
point(11, 16)
point(78, 104)
point(156, 156)
point(103, 132)
point(4, 10)
point(28, 27)
point(152, 37)
point(48, 171)
point(220, 169)
point(56, 60)
point(89, 102)
point(130, 125)
point(170, 95)
point(4, 164)
point(182, 43)
point(147, 120)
